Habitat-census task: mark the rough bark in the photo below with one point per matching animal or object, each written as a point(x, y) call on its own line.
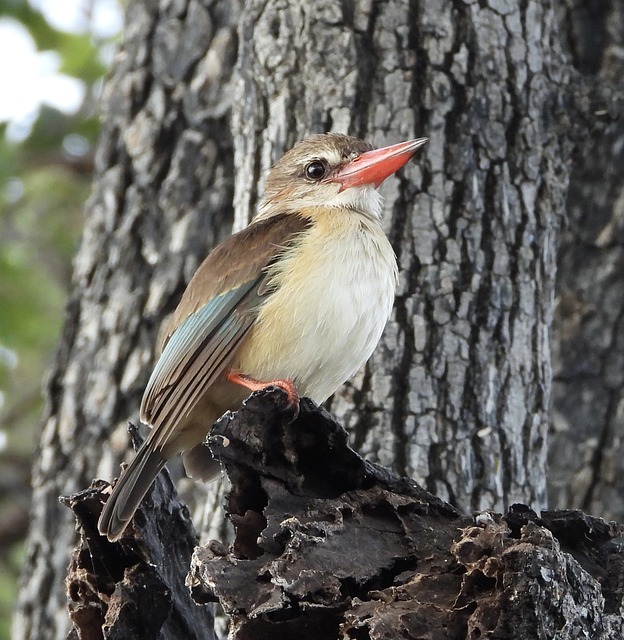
point(162, 195)
point(136, 590)
point(457, 395)
point(329, 545)
point(586, 466)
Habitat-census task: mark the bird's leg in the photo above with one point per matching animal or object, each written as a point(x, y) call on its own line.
point(236, 377)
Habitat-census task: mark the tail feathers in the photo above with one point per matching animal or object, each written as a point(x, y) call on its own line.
point(129, 491)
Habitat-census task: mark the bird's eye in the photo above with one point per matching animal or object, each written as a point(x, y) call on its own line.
point(315, 170)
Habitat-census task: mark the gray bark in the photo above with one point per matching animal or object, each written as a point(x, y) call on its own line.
point(457, 394)
point(586, 466)
point(162, 195)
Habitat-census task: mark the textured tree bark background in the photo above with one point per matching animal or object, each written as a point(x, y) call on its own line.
point(586, 467)
point(162, 196)
point(458, 393)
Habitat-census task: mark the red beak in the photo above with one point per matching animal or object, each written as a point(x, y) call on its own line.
point(373, 167)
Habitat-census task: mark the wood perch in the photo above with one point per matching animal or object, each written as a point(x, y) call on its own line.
point(328, 545)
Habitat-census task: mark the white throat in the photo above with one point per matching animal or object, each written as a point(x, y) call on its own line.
point(365, 199)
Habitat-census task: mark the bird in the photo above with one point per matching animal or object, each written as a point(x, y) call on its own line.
point(298, 299)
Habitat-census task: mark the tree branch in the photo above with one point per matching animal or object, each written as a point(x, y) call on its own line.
point(134, 589)
point(328, 545)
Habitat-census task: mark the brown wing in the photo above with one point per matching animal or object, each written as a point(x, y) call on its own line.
point(215, 314)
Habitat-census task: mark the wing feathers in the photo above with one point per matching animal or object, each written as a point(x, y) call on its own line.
point(239, 259)
point(202, 373)
point(215, 315)
point(212, 320)
point(190, 340)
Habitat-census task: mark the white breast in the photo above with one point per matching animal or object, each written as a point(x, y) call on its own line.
point(334, 295)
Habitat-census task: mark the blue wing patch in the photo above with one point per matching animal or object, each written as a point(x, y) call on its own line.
point(198, 351)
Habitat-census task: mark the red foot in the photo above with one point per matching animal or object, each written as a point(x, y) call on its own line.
point(236, 377)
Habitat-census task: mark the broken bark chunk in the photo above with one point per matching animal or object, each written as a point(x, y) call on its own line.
point(328, 545)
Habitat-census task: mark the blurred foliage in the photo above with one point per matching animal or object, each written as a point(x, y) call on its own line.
point(79, 53)
point(44, 181)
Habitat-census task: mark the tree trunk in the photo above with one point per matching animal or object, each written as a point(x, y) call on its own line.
point(457, 394)
point(162, 196)
point(586, 466)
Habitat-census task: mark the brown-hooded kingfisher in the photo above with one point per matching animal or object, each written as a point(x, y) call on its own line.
point(298, 299)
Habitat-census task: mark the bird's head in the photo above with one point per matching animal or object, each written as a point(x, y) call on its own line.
point(333, 170)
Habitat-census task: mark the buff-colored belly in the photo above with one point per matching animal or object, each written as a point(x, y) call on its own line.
point(333, 298)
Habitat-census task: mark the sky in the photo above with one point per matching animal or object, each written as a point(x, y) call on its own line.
point(29, 77)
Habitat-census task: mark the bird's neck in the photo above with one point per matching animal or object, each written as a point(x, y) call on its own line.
point(364, 201)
